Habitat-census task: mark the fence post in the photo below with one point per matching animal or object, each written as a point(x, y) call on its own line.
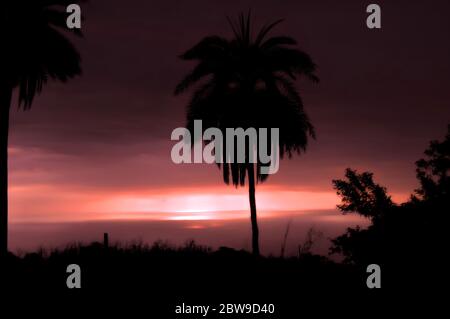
point(105, 240)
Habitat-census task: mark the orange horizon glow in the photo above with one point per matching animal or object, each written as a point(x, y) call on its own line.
point(44, 203)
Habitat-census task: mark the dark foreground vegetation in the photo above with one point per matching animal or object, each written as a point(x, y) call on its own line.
point(166, 276)
point(155, 279)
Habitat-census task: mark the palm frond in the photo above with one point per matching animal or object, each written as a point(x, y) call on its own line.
point(277, 41)
point(200, 71)
point(265, 30)
point(208, 48)
point(292, 61)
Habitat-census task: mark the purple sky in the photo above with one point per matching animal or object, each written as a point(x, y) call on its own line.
point(383, 95)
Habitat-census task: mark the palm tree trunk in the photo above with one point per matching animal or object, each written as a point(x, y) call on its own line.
point(5, 104)
point(251, 194)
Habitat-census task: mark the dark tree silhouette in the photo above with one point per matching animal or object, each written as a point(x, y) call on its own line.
point(360, 194)
point(433, 171)
point(412, 231)
point(34, 50)
point(248, 82)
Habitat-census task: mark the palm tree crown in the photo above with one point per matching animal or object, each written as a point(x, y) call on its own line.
point(249, 82)
point(35, 48)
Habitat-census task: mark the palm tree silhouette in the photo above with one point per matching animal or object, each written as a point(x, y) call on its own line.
point(34, 50)
point(249, 82)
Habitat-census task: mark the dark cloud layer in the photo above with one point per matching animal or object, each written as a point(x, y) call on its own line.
point(383, 93)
